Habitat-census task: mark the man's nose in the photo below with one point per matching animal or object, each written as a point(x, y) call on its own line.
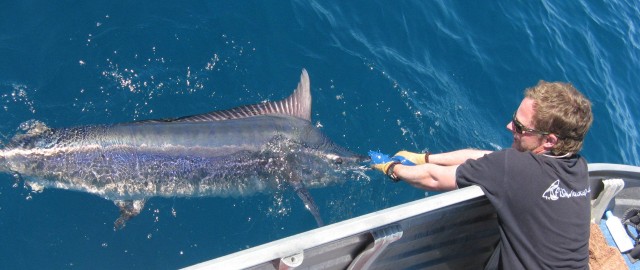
point(510, 127)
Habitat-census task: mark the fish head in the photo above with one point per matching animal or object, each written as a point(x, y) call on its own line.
point(331, 165)
point(341, 157)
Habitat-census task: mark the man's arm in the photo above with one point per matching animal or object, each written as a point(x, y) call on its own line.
point(428, 176)
point(457, 157)
point(440, 172)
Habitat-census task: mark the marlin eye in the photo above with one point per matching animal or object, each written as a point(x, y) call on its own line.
point(335, 158)
point(338, 160)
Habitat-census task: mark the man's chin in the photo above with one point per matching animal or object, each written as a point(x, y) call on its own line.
point(517, 146)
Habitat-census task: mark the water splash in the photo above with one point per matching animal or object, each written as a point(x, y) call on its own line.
point(16, 95)
point(145, 76)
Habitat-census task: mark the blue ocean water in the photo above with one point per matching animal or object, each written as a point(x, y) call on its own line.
point(416, 75)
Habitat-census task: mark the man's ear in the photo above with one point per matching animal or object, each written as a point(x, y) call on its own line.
point(550, 141)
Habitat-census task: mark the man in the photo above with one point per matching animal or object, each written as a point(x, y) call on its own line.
point(539, 186)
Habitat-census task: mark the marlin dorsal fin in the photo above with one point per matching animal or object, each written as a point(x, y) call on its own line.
point(298, 104)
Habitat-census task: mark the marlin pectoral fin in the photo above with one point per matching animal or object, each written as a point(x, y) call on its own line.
point(128, 209)
point(303, 193)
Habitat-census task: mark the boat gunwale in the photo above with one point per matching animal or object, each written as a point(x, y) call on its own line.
point(363, 224)
point(301, 242)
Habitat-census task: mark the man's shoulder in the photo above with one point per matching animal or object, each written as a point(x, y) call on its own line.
point(511, 155)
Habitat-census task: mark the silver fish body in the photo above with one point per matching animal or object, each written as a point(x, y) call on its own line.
point(140, 160)
point(235, 152)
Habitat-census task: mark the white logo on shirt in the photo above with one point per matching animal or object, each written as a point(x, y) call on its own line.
point(555, 192)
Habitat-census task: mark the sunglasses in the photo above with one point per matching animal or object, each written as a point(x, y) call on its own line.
point(521, 129)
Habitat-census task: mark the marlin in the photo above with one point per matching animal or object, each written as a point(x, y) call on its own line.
point(236, 152)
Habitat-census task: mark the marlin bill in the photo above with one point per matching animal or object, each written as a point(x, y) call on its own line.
point(235, 152)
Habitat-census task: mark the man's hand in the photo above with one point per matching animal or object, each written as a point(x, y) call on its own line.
point(380, 161)
point(410, 158)
point(383, 163)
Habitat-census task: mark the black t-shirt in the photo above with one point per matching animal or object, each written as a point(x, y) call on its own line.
point(543, 206)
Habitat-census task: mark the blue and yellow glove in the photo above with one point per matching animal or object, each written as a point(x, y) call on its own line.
point(409, 157)
point(385, 164)
point(381, 162)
